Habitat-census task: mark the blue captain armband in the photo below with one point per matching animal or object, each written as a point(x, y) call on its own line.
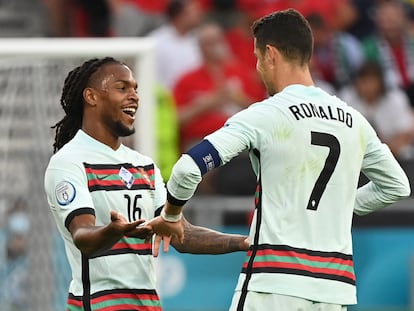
point(205, 156)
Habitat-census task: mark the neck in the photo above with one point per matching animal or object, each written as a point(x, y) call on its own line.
point(289, 75)
point(102, 135)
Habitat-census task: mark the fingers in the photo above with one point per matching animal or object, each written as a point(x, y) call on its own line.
point(167, 241)
point(114, 215)
point(156, 247)
point(139, 222)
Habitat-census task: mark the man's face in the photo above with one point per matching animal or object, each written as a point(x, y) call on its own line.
point(118, 100)
point(262, 67)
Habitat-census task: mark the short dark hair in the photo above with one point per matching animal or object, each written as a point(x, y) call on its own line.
point(288, 31)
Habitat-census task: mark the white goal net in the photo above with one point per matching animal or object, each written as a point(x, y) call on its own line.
point(34, 273)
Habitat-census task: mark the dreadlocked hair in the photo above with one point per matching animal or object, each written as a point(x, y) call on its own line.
point(71, 100)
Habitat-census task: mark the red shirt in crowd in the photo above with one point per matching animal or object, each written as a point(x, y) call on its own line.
point(328, 9)
point(199, 82)
point(159, 6)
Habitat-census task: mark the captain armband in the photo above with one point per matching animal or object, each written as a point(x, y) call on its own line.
point(205, 156)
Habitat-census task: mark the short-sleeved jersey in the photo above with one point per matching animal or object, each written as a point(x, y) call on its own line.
point(86, 176)
point(307, 149)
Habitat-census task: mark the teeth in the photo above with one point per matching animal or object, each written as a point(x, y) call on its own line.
point(129, 110)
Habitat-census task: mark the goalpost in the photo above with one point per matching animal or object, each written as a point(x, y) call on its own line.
point(32, 71)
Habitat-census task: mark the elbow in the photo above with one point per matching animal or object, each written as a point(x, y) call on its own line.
point(401, 192)
point(405, 188)
point(85, 250)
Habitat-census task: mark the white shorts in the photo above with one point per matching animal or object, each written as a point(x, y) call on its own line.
point(265, 301)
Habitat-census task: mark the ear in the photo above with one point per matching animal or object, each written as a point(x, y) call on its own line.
point(271, 55)
point(90, 96)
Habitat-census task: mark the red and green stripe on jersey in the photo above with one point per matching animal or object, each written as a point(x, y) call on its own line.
point(109, 177)
point(128, 245)
point(117, 300)
point(289, 260)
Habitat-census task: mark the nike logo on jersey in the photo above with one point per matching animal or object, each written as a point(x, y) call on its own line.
point(102, 177)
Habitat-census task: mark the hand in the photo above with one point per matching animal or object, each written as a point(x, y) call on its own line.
point(136, 229)
point(245, 244)
point(164, 230)
point(157, 243)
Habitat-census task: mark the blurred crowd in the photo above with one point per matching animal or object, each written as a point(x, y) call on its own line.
point(363, 52)
point(14, 260)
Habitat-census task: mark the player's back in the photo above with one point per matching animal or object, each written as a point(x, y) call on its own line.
point(310, 158)
point(307, 148)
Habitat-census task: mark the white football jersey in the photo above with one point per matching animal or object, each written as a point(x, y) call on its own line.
point(86, 176)
point(307, 149)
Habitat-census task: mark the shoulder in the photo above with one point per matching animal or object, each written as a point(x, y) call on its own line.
point(257, 114)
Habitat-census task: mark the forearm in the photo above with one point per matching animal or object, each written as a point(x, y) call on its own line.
point(94, 240)
point(200, 240)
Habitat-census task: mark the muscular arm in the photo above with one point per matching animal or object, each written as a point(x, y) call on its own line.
point(201, 240)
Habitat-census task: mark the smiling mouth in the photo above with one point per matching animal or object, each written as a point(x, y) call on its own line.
point(130, 111)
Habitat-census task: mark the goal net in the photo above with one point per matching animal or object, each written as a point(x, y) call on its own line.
point(34, 273)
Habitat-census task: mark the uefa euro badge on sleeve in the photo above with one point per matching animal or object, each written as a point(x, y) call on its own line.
point(126, 177)
point(65, 193)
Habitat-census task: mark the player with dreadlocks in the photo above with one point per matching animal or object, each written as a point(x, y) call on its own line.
point(100, 191)
point(72, 101)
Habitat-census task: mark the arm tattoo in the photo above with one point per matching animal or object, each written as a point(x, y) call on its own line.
point(201, 240)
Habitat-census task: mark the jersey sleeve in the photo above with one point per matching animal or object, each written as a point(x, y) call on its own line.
point(388, 181)
point(238, 134)
point(67, 191)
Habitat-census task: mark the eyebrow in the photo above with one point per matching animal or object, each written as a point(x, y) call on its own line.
point(127, 82)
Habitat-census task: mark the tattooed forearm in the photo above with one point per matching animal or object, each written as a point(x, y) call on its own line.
point(200, 240)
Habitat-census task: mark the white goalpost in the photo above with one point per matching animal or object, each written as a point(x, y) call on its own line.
point(139, 50)
point(32, 72)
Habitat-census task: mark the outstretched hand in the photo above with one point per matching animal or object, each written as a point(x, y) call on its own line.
point(164, 231)
point(136, 229)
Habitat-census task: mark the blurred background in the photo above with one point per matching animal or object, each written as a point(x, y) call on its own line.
point(198, 71)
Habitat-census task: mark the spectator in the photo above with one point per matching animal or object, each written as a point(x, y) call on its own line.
point(177, 48)
point(336, 54)
point(364, 25)
point(139, 17)
point(392, 46)
point(208, 95)
point(387, 109)
point(339, 14)
point(241, 42)
point(79, 18)
point(136, 17)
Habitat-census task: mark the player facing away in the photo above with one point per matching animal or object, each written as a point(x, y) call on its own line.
point(99, 192)
point(307, 149)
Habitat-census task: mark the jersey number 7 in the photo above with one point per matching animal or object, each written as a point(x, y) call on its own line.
point(330, 141)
